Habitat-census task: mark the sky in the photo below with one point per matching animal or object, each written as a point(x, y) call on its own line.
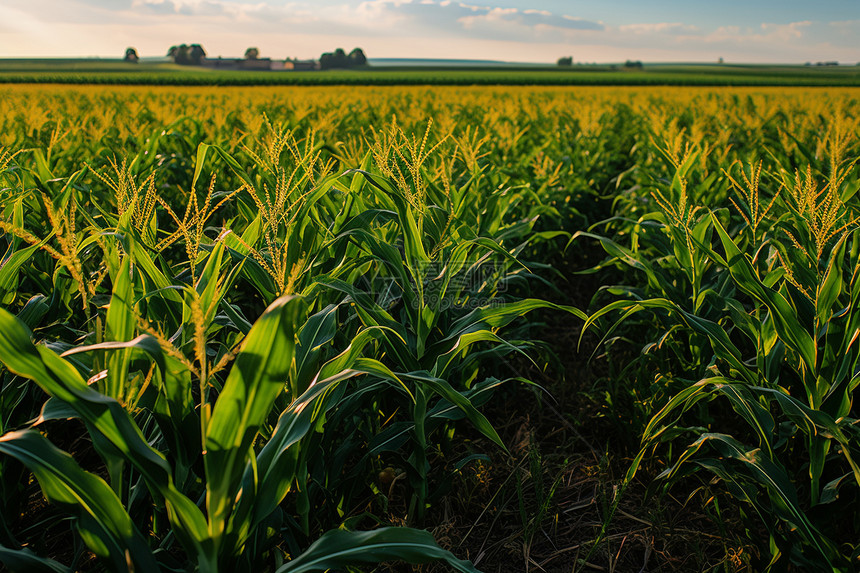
point(748, 31)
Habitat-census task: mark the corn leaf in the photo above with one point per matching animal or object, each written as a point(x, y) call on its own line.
point(105, 525)
point(339, 548)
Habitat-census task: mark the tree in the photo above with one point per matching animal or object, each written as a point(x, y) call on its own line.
point(339, 59)
point(179, 54)
point(186, 55)
point(252, 53)
point(630, 64)
point(565, 61)
point(357, 58)
point(332, 60)
point(196, 54)
point(131, 56)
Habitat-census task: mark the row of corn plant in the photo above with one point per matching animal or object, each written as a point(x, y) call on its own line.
point(745, 277)
point(246, 335)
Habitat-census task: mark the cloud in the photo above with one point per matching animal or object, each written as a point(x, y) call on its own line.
point(792, 31)
point(450, 18)
point(679, 32)
point(664, 28)
point(17, 21)
point(113, 5)
point(846, 29)
point(534, 19)
point(459, 19)
point(766, 35)
point(161, 7)
point(426, 19)
point(196, 8)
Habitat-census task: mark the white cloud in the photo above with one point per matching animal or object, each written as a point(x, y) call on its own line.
point(525, 20)
point(846, 25)
point(765, 33)
point(668, 28)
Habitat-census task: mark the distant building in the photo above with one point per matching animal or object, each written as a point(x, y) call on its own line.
point(220, 63)
point(257, 64)
point(302, 65)
point(260, 64)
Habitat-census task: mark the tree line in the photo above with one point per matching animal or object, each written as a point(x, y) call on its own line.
point(194, 54)
point(340, 59)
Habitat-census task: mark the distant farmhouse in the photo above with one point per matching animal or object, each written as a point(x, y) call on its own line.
point(259, 64)
point(301, 65)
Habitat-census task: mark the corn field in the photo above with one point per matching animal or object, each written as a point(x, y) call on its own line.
point(232, 319)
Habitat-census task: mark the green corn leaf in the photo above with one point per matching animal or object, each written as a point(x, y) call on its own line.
point(198, 164)
point(373, 315)
point(42, 169)
point(497, 316)
point(785, 318)
point(175, 412)
point(25, 561)
point(34, 311)
point(144, 342)
point(265, 486)
point(718, 337)
point(54, 409)
point(208, 288)
point(346, 359)
point(317, 331)
point(768, 474)
point(250, 268)
point(463, 342)
point(339, 548)
point(258, 376)
point(687, 398)
point(104, 523)
point(624, 255)
point(444, 390)
point(235, 314)
point(831, 287)
point(377, 368)
point(815, 423)
point(108, 422)
point(234, 165)
point(155, 282)
point(119, 327)
point(818, 447)
point(59, 379)
point(413, 242)
point(408, 276)
point(11, 266)
point(744, 403)
point(830, 492)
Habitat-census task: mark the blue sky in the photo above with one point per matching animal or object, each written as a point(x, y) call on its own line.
point(514, 30)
